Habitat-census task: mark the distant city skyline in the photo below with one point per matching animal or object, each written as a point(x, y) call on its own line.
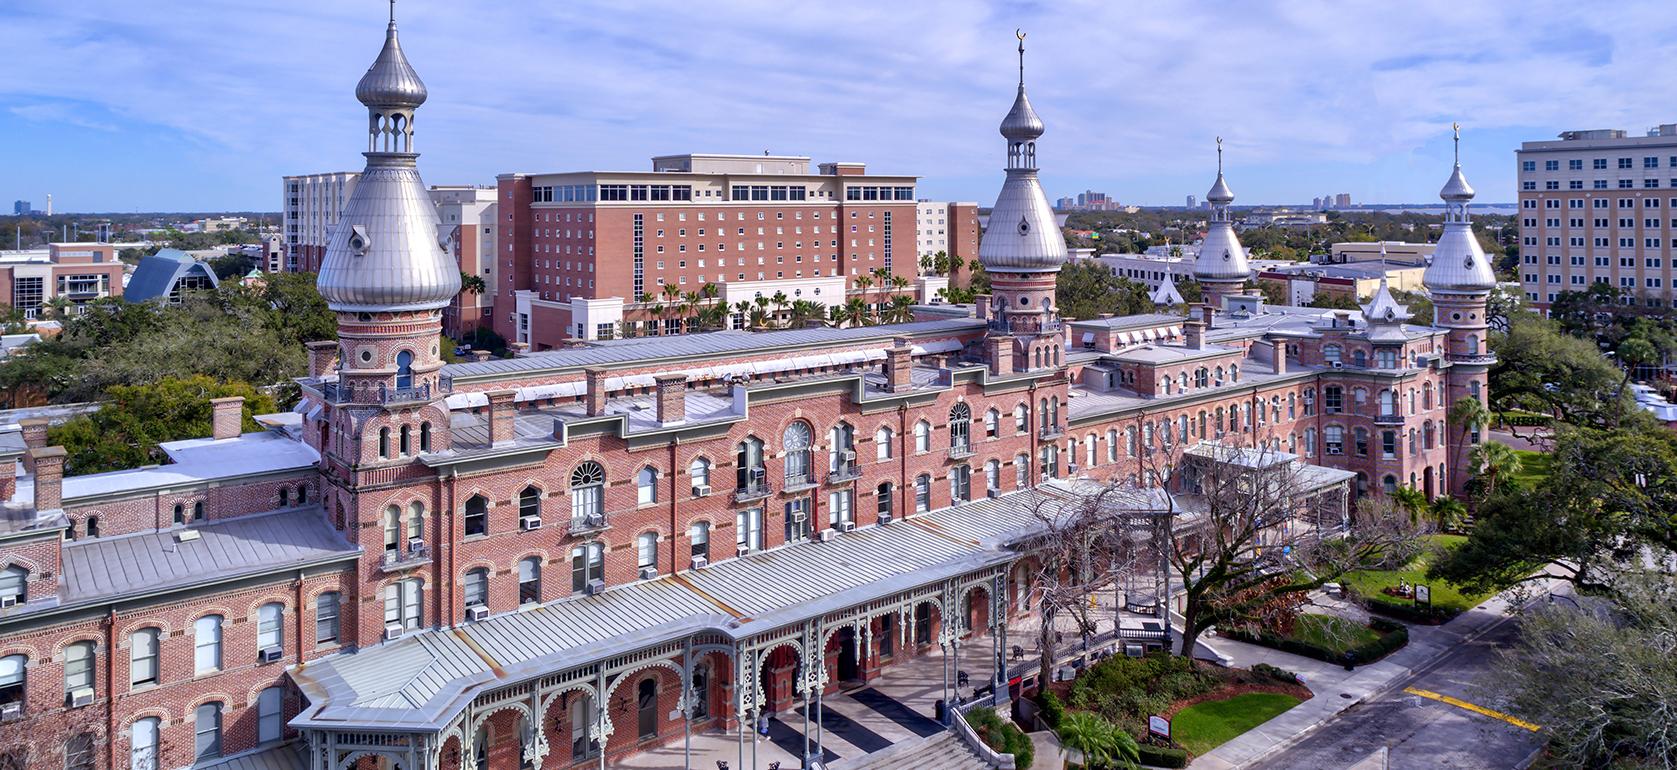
point(111, 110)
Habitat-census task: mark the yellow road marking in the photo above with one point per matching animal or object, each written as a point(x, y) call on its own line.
point(1459, 703)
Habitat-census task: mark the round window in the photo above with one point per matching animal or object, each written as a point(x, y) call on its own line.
point(366, 356)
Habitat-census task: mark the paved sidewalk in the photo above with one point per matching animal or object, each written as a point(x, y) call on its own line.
point(1337, 689)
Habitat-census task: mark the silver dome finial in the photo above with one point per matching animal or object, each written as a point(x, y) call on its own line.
point(1219, 148)
point(1455, 128)
point(1022, 124)
point(1018, 33)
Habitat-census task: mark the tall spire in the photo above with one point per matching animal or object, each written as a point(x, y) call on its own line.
point(1221, 264)
point(1021, 127)
point(1023, 235)
point(1458, 261)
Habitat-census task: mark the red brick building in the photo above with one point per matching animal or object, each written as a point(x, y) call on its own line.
point(574, 556)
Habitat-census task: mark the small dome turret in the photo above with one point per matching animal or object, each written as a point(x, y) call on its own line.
point(1458, 261)
point(391, 83)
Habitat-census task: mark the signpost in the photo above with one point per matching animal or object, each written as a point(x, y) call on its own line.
point(1423, 594)
point(1158, 725)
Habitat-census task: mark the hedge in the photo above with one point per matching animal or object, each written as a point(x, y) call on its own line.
point(1157, 757)
point(1052, 710)
point(1392, 636)
point(1407, 609)
point(1003, 737)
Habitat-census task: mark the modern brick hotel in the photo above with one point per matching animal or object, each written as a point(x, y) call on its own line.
point(626, 550)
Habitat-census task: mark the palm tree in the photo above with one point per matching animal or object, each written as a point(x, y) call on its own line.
point(780, 302)
point(472, 283)
point(710, 290)
point(864, 283)
point(1100, 742)
point(1412, 500)
point(1467, 414)
point(759, 318)
point(855, 312)
point(1448, 511)
point(1494, 460)
point(802, 311)
point(647, 298)
point(900, 311)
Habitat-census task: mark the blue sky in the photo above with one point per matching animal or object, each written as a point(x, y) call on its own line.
point(116, 105)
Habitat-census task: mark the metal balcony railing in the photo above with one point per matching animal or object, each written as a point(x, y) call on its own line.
point(397, 560)
point(756, 489)
point(381, 393)
point(960, 451)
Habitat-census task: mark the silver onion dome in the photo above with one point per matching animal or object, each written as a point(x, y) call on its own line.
point(1458, 261)
point(1022, 123)
point(383, 254)
point(1221, 256)
point(1220, 193)
point(391, 81)
point(1023, 235)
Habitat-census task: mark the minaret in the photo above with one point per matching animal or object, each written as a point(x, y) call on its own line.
point(1221, 267)
point(387, 278)
point(1460, 279)
point(1023, 250)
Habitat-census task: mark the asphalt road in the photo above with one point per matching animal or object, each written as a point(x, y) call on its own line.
point(1422, 733)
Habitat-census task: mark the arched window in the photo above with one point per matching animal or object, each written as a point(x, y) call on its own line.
point(142, 744)
point(326, 618)
point(1333, 399)
point(588, 493)
point(1388, 403)
point(477, 516)
point(1426, 395)
point(404, 369)
point(698, 539)
point(992, 423)
point(425, 437)
point(1359, 357)
point(476, 585)
point(1129, 442)
point(750, 475)
point(206, 731)
point(698, 472)
point(796, 440)
point(180, 513)
point(646, 708)
point(270, 716)
point(1309, 442)
point(416, 525)
point(882, 441)
point(142, 656)
point(646, 551)
point(1202, 377)
point(922, 436)
point(1021, 471)
point(529, 580)
point(1361, 435)
point(1112, 445)
point(922, 493)
point(1427, 434)
point(198, 510)
point(587, 564)
point(960, 427)
point(1332, 354)
point(383, 444)
point(206, 640)
point(841, 448)
point(14, 586)
point(1388, 484)
point(1021, 418)
point(885, 494)
point(78, 669)
point(992, 476)
point(1333, 439)
point(13, 678)
point(285, 497)
point(960, 484)
point(392, 531)
point(406, 443)
point(582, 718)
point(1473, 344)
point(646, 486)
point(403, 604)
point(270, 623)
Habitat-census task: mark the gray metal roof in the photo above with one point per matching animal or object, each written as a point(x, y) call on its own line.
point(288, 756)
point(384, 254)
point(1023, 235)
point(609, 353)
point(419, 681)
point(107, 567)
point(157, 274)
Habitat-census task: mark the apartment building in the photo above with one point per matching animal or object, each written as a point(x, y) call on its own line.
point(78, 273)
point(466, 228)
point(1599, 206)
point(313, 203)
point(585, 254)
point(947, 226)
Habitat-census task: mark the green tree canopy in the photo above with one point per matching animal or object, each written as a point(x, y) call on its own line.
point(135, 419)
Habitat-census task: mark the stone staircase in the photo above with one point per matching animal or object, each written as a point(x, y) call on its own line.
point(944, 751)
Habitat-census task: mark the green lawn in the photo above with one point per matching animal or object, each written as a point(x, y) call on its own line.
point(1332, 632)
point(1444, 595)
point(1205, 726)
point(1534, 466)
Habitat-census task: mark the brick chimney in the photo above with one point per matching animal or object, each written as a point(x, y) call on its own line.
point(672, 398)
point(520, 348)
point(998, 351)
point(503, 409)
point(34, 437)
point(1280, 356)
point(49, 477)
point(899, 363)
point(1208, 314)
point(323, 357)
point(596, 395)
point(1193, 333)
point(227, 417)
point(480, 355)
point(982, 301)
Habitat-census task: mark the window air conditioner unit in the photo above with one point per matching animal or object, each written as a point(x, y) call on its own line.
point(648, 573)
point(742, 550)
point(798, 516)
point(392, 631)
point(849, 455)
point(846, 526)
point(756, 475)
point(270, 654)
point(885, 518)
point(10, 711)
point(8, 601)
point(527, 523)
point(416, 545)
point(700, 562)
point(1339, 365)
point(827, 535)
point(701, 490)
point(187, 535)
point(992, 493)
point(595, 587)
point(595, 519)
point(477, 612)
point(79, 697)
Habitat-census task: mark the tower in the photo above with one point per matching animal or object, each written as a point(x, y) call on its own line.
point(1022, 250)
point(1460, 279)
point(387, 278)
point(1221, 265)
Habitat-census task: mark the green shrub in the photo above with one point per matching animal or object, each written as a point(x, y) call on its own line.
point(1051, 709)
point(1407, 609)
point(1392, 636)
point(1159, 757)
point(1002, 736)
point(1125, 690)
point(1275, 672)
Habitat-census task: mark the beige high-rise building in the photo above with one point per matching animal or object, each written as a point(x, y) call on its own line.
point(1598, 207)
